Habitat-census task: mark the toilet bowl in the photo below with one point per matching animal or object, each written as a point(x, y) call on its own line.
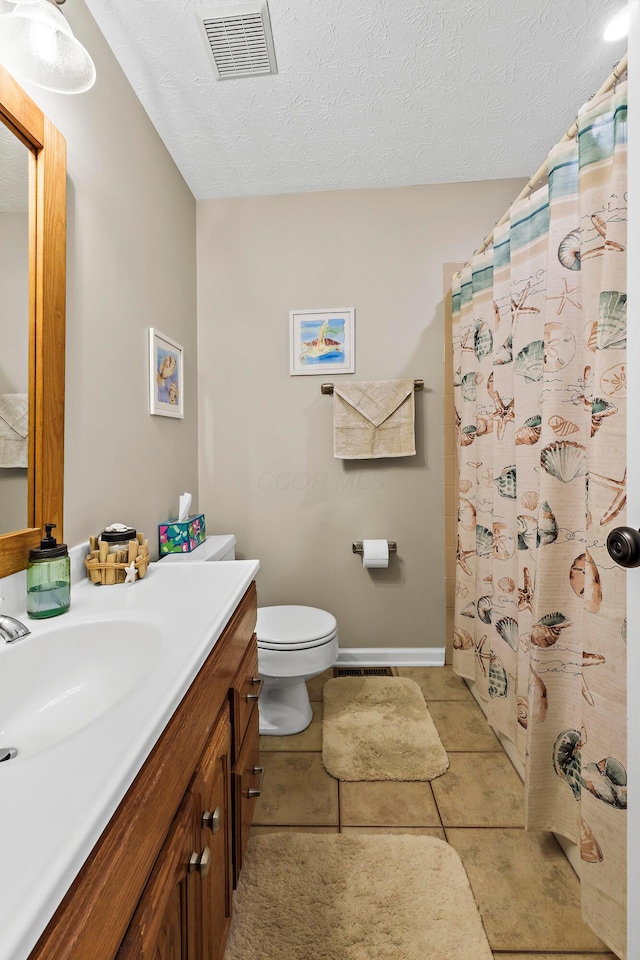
point(295, 643)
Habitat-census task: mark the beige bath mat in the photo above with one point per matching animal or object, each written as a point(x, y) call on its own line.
point(307, 897)
point(379, 728)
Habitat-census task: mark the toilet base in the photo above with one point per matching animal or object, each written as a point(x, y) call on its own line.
point(284, 706)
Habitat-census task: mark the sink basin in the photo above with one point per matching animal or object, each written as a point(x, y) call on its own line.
point(56, 682)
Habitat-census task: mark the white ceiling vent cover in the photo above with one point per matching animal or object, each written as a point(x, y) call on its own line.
point(239, 38)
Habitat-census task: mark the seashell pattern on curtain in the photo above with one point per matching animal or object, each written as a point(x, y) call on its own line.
point(539, 327)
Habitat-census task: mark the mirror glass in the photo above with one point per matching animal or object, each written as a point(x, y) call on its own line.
point(14, 332)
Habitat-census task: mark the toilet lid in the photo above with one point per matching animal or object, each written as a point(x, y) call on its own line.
point(293, 645)
point(294, 626)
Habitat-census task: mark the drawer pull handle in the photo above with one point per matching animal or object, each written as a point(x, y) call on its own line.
point(200, 862)
point(255, 681)
point(253, 792)
point(212, 820)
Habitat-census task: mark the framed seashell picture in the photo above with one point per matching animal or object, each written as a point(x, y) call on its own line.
point(322, 341)
point(166, 378)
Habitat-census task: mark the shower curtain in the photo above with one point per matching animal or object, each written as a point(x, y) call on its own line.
point(539, 326)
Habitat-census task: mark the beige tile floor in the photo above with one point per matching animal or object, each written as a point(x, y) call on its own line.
point(526, 891)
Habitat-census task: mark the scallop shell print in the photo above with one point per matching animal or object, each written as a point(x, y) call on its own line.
point(600, 409)
point(466, 514)
point(484, 541)
point(507, 628)
point(527, 532)
point(559, 346)
point(504, 354)
point(569, 251)
point(530, 361)
point(469, 386)
point(585, 581)
point(506, 483)
point(612, 321)
point(461, 639)
point(484, 609)
point(565, 460)
point(482, 340)
point(567, 759)
point(561, 426)
point(523, 712)
point(547, 525)
point(507, 584)
point(590, 849)
point(498, 680)
point(529, 432)
point(546, 631)
point(529, 500)
point(465, 486)
point(607, 780)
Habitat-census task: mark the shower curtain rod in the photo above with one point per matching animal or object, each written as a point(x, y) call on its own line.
point(614, 77)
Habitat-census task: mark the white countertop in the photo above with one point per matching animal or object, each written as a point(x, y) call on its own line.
point(55, 802)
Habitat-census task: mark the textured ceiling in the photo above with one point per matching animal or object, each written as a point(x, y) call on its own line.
point(369, 92)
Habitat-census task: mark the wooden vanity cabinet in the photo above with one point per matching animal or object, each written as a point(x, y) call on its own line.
point(158, 883)
point(247, 772)
point(185, 909)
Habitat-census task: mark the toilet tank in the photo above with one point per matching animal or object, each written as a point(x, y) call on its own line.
point(222, 547)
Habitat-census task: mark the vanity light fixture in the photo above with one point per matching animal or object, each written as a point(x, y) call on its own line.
point(38, 45)
point(618, 26)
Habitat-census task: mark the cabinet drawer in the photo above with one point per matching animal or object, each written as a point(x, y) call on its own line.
point(247, 783)
point(245, 696)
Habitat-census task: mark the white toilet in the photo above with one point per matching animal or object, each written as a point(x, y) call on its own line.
point(294, 644)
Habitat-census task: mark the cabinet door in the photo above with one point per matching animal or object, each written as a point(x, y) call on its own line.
point(247, 782)
point(165, 924)
point(212, 790)
point(246, 689)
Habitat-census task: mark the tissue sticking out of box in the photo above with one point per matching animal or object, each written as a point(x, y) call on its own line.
point(184, 507)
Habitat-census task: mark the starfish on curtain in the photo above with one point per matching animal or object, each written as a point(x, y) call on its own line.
point(518, 306)
point(462, 557)
point(619, 488)
point(565, 297)
point(525, 594)
point(504, 412)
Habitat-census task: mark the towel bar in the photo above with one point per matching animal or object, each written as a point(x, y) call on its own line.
point(357, 547)
point(327, 388)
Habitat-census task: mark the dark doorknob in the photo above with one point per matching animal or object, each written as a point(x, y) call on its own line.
point(623, 545)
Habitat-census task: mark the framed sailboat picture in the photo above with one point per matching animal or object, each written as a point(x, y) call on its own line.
point(322, 341)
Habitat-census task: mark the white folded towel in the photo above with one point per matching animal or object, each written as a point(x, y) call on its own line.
point(374, 419)
point(14, 430)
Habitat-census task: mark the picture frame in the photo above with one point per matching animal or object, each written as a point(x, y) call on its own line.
point(322, 341)
point(166, 376)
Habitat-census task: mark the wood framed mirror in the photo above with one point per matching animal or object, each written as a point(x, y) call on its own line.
point(46, 322)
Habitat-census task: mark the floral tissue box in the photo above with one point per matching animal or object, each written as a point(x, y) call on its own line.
point(181, 536)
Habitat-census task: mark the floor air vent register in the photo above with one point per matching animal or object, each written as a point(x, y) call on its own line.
point(362, 672)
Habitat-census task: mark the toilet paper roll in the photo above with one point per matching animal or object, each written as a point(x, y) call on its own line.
point(375, 553)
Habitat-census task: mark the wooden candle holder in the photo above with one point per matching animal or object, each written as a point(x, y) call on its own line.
point(108, 568)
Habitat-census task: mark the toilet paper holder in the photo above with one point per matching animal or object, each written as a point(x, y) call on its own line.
point(357, 546)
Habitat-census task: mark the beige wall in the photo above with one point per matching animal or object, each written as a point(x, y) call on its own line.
point(267, 471)
point(130, 265)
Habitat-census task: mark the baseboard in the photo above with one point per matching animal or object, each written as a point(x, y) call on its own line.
point(391, 656)
point(569, 848)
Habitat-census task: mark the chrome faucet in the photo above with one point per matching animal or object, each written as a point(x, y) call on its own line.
point(12, 629)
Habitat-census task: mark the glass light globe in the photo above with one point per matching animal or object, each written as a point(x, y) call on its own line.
point(38, 45)
point(618, 26)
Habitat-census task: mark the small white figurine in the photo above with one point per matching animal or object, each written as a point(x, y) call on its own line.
point(131, 572)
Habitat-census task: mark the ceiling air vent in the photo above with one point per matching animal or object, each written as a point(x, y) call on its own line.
point(240, 40)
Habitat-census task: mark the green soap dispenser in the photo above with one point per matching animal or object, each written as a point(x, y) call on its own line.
point(48, 578)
